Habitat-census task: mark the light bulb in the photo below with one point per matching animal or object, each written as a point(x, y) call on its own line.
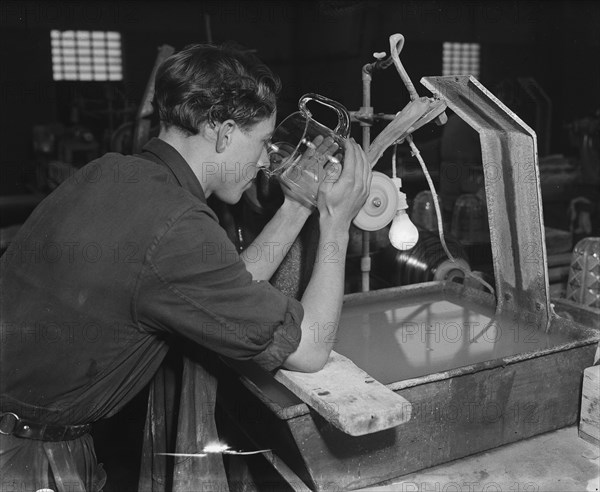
point(403, 233)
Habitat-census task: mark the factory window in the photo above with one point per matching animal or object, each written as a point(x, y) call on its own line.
point(86, 55)
point(461, 59)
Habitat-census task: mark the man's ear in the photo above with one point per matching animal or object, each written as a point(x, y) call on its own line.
point(225, 135)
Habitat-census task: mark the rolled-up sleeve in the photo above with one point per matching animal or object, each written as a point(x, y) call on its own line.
point(194, 284)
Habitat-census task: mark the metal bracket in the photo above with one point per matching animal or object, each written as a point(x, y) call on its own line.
point(512, 188)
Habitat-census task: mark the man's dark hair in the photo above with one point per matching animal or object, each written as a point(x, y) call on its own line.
point(207, 83)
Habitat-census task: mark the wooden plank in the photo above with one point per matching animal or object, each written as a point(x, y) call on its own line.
point(348, 397)
point(589, 422)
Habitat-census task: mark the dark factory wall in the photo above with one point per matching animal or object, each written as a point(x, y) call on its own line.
point(317, 46)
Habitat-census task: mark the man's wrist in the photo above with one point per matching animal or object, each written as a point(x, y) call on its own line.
point(295, 209)
point(334, 228)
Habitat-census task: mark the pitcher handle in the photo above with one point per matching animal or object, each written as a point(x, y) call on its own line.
point(343, 126)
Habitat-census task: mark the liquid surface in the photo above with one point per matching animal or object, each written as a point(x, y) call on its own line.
point(394, 343)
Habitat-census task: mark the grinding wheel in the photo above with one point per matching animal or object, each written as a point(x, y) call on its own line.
point(380, 207)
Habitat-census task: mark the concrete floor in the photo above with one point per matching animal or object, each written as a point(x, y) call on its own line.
point(558, 461)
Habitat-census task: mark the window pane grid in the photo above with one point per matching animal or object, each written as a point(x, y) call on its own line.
point(86, 55)
point(460, 59)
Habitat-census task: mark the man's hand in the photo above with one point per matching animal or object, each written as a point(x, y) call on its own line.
point(345, 190)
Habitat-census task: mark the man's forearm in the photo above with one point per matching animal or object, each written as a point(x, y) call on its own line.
point(340, 198)
point(266, 252)
point(322, 302)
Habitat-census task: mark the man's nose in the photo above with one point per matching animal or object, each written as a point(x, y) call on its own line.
point(263, 160)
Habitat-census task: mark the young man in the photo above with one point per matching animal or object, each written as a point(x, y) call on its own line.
point(126, 255)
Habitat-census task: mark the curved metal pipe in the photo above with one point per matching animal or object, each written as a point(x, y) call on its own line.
point(396, 44)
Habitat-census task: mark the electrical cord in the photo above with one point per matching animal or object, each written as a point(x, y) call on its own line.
point(394, 160)
point(417, 154)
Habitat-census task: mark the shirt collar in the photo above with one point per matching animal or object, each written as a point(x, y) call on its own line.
point(161, 152)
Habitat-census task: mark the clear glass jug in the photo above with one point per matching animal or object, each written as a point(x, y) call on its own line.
point(301, 147)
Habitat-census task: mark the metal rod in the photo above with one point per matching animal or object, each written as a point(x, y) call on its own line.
point(381, 64)
point(365, 261)
point(360, 117)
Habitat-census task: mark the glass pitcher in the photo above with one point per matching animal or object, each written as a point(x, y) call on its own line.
point(301, 148)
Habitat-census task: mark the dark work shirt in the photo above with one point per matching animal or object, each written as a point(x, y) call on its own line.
point(122, 256)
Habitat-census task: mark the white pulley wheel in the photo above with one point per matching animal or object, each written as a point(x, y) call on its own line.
point(449, 269)
point(380, 207)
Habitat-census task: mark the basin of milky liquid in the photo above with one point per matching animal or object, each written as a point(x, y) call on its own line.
point(392, 342)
